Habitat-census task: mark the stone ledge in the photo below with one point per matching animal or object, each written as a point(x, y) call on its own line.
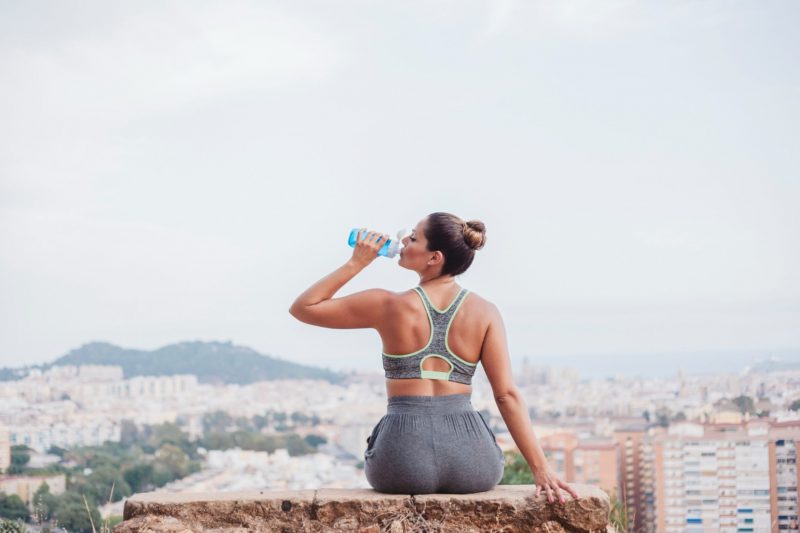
point(506, 509)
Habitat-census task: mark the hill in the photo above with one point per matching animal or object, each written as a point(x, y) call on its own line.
point(211, 362)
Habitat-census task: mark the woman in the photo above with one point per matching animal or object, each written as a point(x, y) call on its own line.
point(432, 439)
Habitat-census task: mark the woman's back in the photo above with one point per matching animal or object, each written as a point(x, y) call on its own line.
point(406, 329)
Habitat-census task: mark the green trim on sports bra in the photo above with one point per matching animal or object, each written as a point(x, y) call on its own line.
point(436, 308)
point(435, 374)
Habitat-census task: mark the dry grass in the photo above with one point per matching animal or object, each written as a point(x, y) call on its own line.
point(400, 521)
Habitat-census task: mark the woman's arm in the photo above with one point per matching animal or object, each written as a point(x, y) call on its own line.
point(497, 364)
point(316, 305)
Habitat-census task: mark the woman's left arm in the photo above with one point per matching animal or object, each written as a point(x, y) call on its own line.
point(317, 306)
point(497, 364)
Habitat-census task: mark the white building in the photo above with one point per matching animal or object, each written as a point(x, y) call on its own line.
point(5, 449)
point(154, 386)
point(82, 432)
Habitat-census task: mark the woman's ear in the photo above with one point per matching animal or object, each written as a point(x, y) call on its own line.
point(436, 258)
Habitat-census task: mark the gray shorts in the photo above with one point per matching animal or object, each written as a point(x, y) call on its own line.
point(430, 444)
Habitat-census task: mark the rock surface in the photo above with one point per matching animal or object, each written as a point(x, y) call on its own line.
point(506, 509)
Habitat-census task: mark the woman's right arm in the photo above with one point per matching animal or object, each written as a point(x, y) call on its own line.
point(497, 364)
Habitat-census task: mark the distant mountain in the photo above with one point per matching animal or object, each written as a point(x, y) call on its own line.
point(11, 374)
point(774, 365)
point(211, 362)
point(667, 364)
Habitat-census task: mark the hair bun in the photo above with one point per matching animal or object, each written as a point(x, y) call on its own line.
point(475, 234)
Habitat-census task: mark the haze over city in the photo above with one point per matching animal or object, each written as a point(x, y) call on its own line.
point(182, 172)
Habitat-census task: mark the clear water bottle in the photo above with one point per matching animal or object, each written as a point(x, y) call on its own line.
point(389, 249)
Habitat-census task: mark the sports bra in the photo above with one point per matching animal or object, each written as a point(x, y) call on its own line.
point(409, 366)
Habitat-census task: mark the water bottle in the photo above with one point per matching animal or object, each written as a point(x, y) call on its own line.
point(389, 249)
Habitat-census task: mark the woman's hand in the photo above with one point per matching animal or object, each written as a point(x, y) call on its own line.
point(546, 479)
point(366, 249)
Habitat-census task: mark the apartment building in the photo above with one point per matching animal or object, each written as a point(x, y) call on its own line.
point(785, 478)
point(727, 478)
point(637, 475)
point(596, 463)
point(5, 449)
point(591, 461)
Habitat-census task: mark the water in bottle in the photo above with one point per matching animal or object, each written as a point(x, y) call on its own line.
point(389, 249)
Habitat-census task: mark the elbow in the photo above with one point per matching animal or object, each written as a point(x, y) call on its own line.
point(303, 313)
point(507, 397)
point(296, 311)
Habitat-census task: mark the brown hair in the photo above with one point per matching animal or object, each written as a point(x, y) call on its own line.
point(456, 239)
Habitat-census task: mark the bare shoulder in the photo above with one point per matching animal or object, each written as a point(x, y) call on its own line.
point(377, 297)
point(399, 301)
point(475, 304)
point(396, 307)
point(402, 297)
point(482, 305)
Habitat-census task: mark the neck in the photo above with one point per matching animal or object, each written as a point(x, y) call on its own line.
point(437, 280)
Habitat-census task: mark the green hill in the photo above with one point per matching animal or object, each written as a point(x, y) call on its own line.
point(211, 362)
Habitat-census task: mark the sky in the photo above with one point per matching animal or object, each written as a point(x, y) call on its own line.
point(183, 170)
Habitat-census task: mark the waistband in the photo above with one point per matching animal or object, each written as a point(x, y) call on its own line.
point(430, 405)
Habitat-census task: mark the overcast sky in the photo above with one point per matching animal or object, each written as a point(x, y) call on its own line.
point(183, 170)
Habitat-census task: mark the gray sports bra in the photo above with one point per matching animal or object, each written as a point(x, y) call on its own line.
point(409, 366)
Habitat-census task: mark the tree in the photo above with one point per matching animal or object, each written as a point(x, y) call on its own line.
point(167, 433)
point(297, 446)
point(45, 504)
point(243, 423)
point(13, 508)
point(57, 450)
point(140, 477)
point(315, 440)
point(260, 422)
point(218, 441)
point(795, 405)
point(102, 479)
point(663, 415)
point(299, 418)
point(172, 434)
point(72, 514)
point(172, 460)
point(128, 432)
point(20, 455)
point(745, 404)
point(216, 422)
point(517, 471)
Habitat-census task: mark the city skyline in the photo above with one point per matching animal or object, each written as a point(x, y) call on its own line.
point(644, 365)
point(715, 450)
